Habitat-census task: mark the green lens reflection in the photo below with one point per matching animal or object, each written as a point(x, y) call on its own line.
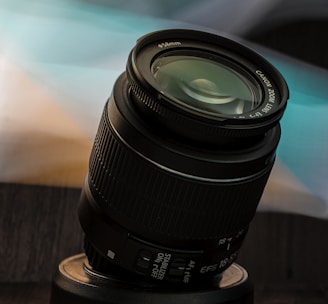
point(204, 85)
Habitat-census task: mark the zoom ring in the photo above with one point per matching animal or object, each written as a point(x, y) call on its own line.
point(144, 196)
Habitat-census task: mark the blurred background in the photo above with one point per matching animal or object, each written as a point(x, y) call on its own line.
point(64, 57)
point(58, 63)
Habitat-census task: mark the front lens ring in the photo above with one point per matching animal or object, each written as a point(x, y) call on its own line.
point(226, 128)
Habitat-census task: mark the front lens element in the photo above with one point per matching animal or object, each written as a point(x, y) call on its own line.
point(209, 86)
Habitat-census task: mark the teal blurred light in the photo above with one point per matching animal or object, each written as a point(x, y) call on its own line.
point(77, 50)
point(304, 143)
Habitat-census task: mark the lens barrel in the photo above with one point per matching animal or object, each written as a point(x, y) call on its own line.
point(181, 158)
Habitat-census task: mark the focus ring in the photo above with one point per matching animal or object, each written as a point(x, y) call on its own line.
point(156, 110)
point(144, 197)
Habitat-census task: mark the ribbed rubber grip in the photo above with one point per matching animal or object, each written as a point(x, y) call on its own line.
point(144, 195)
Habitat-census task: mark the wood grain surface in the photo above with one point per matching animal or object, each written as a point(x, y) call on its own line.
point(39, 227)
point(39, 293)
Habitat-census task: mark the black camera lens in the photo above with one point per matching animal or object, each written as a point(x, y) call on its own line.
point(183, 152)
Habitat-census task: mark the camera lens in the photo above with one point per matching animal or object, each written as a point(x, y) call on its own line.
point(183, 152)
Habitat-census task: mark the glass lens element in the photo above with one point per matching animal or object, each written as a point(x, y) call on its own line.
point(204, 85)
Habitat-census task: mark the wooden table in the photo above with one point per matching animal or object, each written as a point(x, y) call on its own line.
point(285, 255)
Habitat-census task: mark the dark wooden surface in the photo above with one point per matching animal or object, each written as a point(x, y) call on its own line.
point(282, 249)
point(39, 293)
point(285, 255)
point(38, 228)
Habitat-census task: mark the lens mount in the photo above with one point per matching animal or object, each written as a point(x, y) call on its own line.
point(76, 282)
point(205, 87)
